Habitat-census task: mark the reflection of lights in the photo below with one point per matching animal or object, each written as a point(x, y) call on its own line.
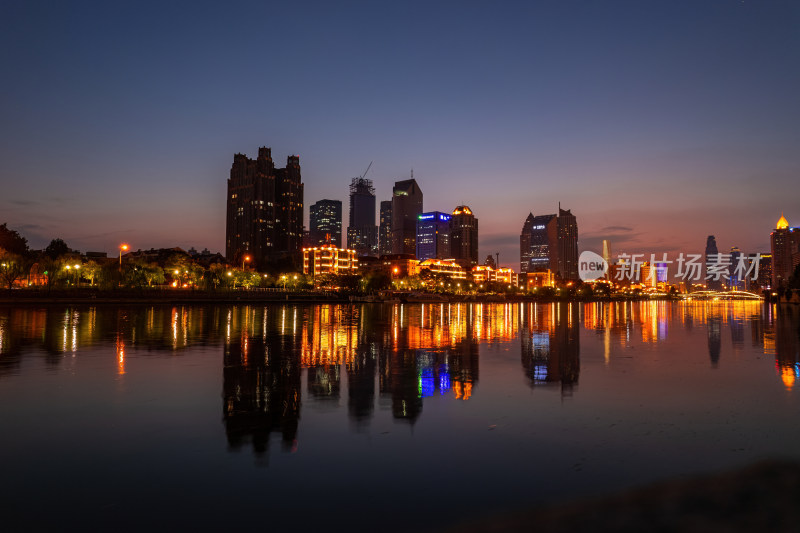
point(788, 376)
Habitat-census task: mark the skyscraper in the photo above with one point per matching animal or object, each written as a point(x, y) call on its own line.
point(785, 242)
point(567, 245)
point(538, 244)
point(712, 258)
point(385, 228)
point(264, 211)
point(550, 242)
point(406, 206)
point(464, 237)
point(433, 236)
point(325, 223)
point(362, 233)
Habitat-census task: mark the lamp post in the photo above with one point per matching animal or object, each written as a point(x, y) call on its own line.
point(284, 282)
point(122, 248)
point(245, 259)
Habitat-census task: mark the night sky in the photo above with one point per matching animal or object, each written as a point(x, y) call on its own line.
point(657, 122)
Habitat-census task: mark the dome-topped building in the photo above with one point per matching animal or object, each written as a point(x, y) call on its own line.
point(785, 244)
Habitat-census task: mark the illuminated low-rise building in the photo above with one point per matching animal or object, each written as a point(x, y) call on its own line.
point(399, 265)
point(446, 267)
point(486, 273)
point(329, 260)
point(534, 280)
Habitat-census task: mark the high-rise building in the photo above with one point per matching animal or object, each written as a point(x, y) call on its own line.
point(735, 276)
point(538, 244)
point(550, 242)
point(406, 206)
point(362, 233)
point(265, 211)
point(567, 245)
point(785, 241)
point(385, 228)
point(433, 236)
point(325, 221)
point(464, 237)
point(712, 258)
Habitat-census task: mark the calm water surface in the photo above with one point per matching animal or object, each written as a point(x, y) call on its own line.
point(374, 417)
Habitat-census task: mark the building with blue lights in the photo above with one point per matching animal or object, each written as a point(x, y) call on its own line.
point(433, 235)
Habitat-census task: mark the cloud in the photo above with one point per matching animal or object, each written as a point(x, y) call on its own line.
point(616, 229)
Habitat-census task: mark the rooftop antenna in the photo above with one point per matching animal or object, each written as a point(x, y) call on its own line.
point(412, 173)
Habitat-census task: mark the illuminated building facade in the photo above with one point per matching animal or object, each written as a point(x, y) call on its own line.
point(538, 244)
point(486, 273)
point(464, 237)
point(264, 211)
point(400, 265)
point(535, 280)
point(433, 235)
point(385, 228)
point(329, 260)
point(362, 233)
point(785, 242)
point(446, 267)
point(406, 206)
point(325, 221)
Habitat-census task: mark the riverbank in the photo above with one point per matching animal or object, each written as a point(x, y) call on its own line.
point(179, 296)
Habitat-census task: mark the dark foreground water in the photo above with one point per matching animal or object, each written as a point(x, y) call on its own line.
point(376, 417)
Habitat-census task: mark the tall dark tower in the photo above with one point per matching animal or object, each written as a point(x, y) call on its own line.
point(362, 233)
point(406, 206)
point(567, 244)
point(264, 211)
point(464, 237)
point(325, 223)
point(538, 244)
point(712, 258)
point(385, 228)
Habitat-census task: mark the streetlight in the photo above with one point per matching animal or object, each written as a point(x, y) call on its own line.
point(284, 282)
point(122, 248)
point(245, 259)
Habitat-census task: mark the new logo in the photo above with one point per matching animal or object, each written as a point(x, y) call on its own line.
point(591, 266)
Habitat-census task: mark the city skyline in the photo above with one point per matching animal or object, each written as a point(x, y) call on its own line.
point(657, 124)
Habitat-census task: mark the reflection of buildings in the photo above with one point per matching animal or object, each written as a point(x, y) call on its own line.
point(787, 344)
point(550, 344)
point(261, 392)
point(714, 339)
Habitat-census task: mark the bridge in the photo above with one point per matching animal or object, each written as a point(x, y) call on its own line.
point(722, 295)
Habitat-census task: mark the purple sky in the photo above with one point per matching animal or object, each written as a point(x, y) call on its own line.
point(658, 123)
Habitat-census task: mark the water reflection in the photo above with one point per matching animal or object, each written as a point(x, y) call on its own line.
point(551, 345)
point(381, 358)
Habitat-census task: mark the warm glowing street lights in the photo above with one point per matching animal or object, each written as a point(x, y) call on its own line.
point(122, 248)
point(245, 259)
point(284, 282)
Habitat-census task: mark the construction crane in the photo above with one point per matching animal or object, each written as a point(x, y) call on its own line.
point(365, 172)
